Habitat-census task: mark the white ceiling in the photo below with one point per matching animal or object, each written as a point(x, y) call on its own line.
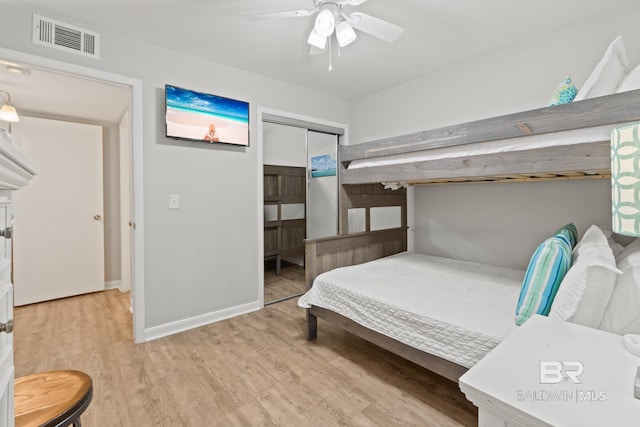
point(54, 94)
point(438, 34)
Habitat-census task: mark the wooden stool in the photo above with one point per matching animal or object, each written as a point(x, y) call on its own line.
point(53, 398)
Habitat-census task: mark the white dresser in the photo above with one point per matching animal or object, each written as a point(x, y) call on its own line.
point(15, 173)
point(554, 373)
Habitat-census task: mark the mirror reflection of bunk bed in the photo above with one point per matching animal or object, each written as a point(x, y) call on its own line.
point(564, 142)
point(284, 230)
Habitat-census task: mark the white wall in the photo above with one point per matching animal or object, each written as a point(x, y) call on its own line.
point(203, 258)
point(487, 222)
point(111, 168)
point(284, 145)
point(518, 79)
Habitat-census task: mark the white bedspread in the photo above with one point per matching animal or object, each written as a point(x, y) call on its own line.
point(453, 309)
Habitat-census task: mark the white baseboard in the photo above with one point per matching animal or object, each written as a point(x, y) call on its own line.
point(171, 328)
point(114, 284)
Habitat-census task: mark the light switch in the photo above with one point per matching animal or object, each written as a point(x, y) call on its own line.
point(174, 201)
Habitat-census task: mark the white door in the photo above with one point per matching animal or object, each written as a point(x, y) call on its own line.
point(6, 320)
point(59, 231)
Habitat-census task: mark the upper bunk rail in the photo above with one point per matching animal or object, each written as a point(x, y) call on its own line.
point(606, 110)
point(590, 159)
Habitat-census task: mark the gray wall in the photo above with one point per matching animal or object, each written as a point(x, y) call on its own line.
point(498, 223)
point(202, 258)
point(501, 224)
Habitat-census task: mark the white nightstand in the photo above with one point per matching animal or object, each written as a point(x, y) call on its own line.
point(554, 373)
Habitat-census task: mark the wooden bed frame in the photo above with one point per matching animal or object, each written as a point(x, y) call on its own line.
point(361, 188)
point(350, 249)
point(332, 252)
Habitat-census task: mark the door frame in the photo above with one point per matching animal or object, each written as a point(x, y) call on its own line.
point(126, 231)
point(137, 262)
point(291, 119)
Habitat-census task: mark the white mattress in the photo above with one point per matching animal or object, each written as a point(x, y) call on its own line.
point(571, 137)
point(454, 309)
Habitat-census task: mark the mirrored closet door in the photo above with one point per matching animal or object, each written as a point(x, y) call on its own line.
point(300, 201)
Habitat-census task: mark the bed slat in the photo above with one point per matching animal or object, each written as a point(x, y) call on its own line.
point(577, 159)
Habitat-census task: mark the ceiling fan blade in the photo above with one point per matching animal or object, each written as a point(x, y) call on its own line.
point(353, 2)
point(375, 26)
point(262, 16)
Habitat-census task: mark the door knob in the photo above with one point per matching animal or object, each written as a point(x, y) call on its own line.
point(97, 217)
point(6, 233)
point(7, 327)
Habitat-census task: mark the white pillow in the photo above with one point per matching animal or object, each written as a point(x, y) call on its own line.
point(630, 251)
point(586, 289)
point(608, 74)
point(615, 246)
point(631, 81)
point(622, 315)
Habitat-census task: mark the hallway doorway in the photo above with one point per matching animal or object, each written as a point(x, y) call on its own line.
point(71, 80)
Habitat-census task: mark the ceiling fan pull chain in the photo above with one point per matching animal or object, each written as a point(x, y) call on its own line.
point(330, 66)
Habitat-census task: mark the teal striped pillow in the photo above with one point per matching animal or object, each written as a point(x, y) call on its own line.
point(570, 233)
point(548, 266)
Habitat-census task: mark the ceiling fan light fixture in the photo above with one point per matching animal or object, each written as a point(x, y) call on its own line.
point(345, 34)
point(325, 23)
point(317, 40)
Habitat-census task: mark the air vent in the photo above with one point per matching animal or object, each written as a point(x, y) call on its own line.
point(58, 35)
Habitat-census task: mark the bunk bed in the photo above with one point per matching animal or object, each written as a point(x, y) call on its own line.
point(570, 141)
point(564, 141)
point(284, 186)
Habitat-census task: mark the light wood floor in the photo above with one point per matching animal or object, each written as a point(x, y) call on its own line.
point(289, 282)
point(252, 370)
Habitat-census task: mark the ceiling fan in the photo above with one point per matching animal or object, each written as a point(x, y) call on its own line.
point(332, 19)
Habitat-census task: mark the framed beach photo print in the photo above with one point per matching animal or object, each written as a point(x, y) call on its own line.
point(203, 117)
